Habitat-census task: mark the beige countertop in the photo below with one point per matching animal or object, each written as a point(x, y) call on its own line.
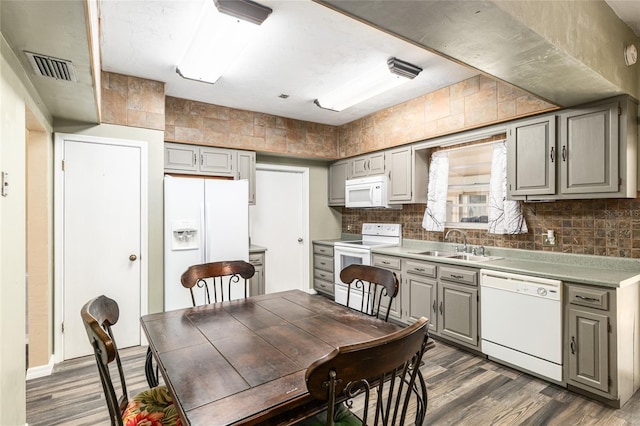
point(582, 269)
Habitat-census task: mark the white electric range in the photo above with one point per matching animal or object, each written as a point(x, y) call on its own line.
point(350, 252)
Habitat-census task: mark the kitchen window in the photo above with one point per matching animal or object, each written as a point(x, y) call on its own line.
point(468, 187)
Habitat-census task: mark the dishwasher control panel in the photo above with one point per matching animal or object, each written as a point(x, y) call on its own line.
point(538, 290)
point(522, 284)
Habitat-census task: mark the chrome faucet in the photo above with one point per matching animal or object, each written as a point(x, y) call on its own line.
point(464, 238)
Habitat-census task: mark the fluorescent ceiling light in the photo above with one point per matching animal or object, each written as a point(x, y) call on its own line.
point(219, 39)
point(247, 10)
point(378, 80)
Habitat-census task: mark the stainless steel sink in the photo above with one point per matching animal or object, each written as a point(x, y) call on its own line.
point(473, 258)
point(435, 253)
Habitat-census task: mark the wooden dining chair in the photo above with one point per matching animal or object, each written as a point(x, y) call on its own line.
point(374, 282)
point(152, 406)
point(383, 372)
point(216, 280)
point(223, 275)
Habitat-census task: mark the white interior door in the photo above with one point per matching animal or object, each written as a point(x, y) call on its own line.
point(279, 222)
point(103, 233)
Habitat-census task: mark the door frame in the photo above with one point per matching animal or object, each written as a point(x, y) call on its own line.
point(304, 171)
point(58, 229)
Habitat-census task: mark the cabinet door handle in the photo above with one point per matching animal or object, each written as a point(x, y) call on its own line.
point(573, 345)
point(552, 154)
point(459, 277)
point(587, 299)
point(389, 174)
point(440, 308)
point(195, 158)
point(369, 165)
point(564, 153)
point(385, 262)
point(419, 269)
point(434, 307)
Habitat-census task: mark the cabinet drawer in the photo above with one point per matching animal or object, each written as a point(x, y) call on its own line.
point(323, 262)
point(592, 297)
point(420, 268)
point(386, 262)
point(323, 275)
point(462, 276)
point(324, 250)
point(323, 286)
point(256, 259)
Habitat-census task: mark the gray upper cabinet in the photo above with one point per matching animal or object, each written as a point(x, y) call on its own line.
point(247, 170)
point(198, 160)
point(367, 165)
point(179, 157)
point(209, 161)
point(532, 156)
point(338, 172)
point(589, 150)
point(218, 162)
point(591, 153)
point(399, 163)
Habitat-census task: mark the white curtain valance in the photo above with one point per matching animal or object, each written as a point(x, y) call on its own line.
point(505, 216)
point(435, 214)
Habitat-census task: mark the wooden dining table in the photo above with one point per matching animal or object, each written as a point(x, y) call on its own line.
point(244, 361)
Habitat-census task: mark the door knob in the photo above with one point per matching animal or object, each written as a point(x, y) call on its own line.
point(133, 257)
point(300, 240)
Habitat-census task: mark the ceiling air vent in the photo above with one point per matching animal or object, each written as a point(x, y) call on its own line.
point(60, 69)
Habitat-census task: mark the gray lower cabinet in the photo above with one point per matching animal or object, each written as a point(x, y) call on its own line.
point(392, 264)
point(323, 278)
point(458, 305)
point(446, 295)
point(421, 286)
point(338, 172)
point(588, 337)
point(256, 283)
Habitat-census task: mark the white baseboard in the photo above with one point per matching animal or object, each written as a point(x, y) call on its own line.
point(40, 370)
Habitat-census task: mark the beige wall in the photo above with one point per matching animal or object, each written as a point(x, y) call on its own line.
point(155, 139)
point(39, 246)
point(16, 95)
point(324, 222)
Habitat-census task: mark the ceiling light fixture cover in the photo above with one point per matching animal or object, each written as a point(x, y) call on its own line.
point(219, 39)
point(377, 81)
point(244, 9)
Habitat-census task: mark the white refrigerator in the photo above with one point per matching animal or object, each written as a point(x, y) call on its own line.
point(205, 220)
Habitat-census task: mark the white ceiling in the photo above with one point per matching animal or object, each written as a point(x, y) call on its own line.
point(628, 11)
point(303, 50)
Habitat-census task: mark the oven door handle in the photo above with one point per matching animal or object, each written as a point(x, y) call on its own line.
point(338, 250)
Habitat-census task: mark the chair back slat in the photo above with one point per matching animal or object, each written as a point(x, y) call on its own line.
point(98, 315)
point(374, 283)
point(390, 364)
point(216, 279)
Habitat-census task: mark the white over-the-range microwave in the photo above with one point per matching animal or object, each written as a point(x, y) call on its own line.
point(368, 192)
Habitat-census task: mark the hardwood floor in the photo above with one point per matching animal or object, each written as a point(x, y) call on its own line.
point(463, 390)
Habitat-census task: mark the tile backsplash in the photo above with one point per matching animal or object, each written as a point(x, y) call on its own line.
point(597, 227)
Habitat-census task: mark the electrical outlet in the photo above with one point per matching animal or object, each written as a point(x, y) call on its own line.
point(348, 227)
point(549, 241)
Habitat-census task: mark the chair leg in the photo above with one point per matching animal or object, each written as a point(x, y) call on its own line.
point(152, 376)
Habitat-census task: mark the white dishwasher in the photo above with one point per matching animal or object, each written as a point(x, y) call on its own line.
point(521, 321)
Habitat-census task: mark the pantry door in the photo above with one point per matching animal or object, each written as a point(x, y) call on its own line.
point(100, 235)
point(280, 222)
